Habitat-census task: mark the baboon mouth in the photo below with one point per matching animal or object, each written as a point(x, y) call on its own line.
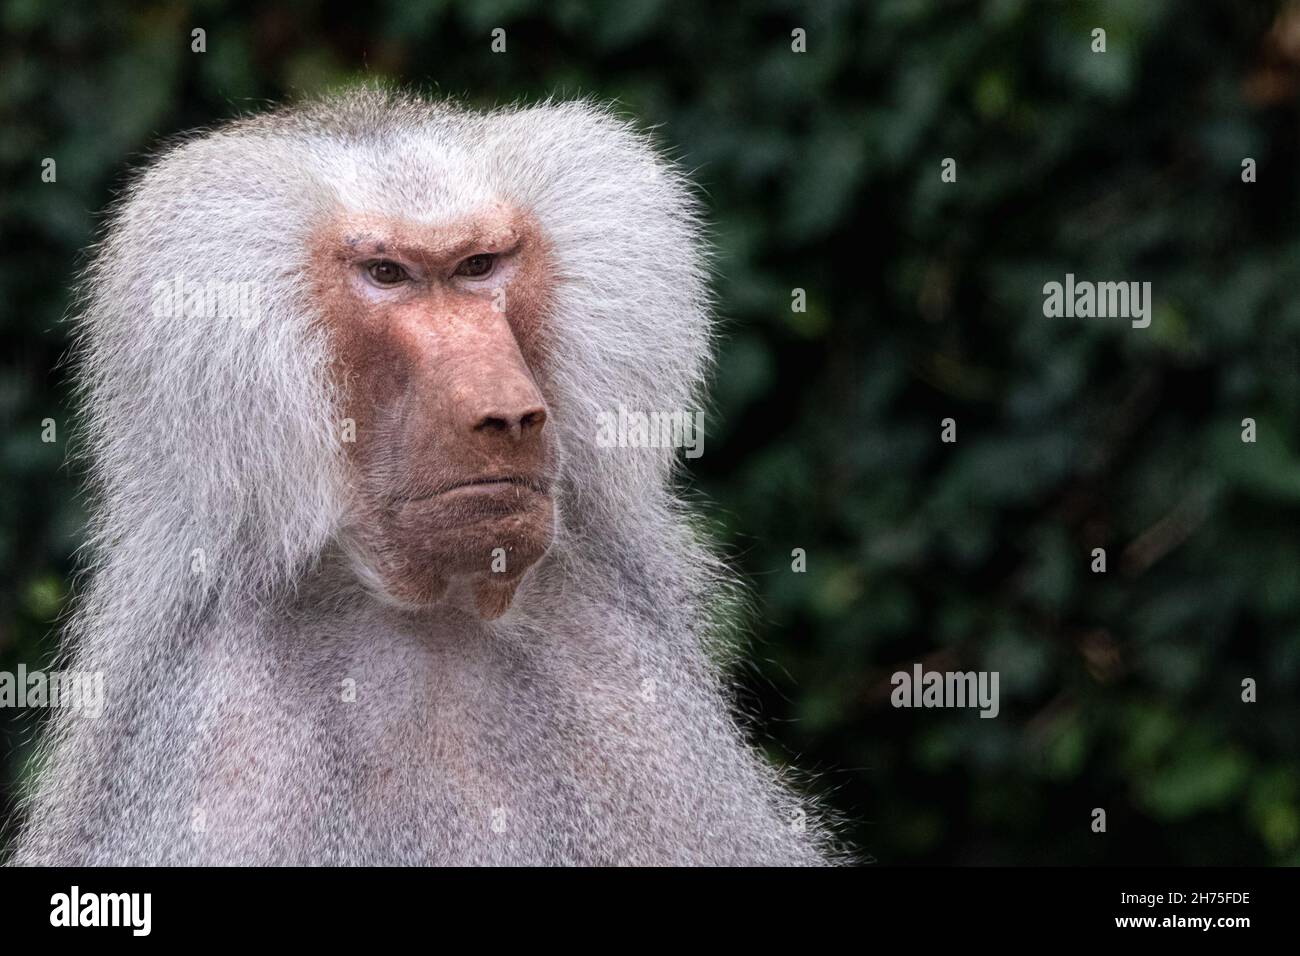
point(496, 484)
point(488, 484)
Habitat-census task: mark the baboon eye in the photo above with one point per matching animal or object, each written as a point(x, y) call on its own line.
point(476, 267)
point(387, 272)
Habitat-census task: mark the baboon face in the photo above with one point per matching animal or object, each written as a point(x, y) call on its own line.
point(437, 332)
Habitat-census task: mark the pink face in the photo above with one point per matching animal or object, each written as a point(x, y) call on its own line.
point(437, 335)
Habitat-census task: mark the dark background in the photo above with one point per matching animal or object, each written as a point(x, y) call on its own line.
point(821, 171)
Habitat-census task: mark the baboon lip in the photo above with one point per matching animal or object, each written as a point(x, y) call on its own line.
point(495, 484)
point(486, 484)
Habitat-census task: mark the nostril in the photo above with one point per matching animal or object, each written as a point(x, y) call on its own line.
point(533, 419)
point(491, 423)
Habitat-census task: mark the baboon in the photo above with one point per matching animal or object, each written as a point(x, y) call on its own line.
point(363, 586)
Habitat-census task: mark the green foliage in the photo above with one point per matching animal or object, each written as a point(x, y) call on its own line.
point(1119, 690)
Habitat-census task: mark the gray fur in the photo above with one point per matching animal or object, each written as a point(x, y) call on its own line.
point(591, 724)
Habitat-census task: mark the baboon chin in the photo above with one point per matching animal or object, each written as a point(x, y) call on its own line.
point(364, 585)
point(469, 548)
